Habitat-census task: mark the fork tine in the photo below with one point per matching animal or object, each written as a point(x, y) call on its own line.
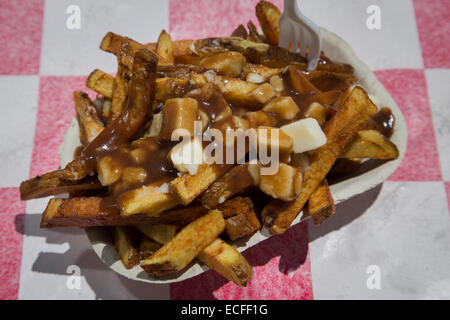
point(313, 55)
point(305, 42)
point(285, 34)
point(295, 38)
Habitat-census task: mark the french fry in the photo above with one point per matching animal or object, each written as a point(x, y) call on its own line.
point(148, 247)
point(186, 245)
point(299, 82)
point(166, 87)
point(161, 233)
point(269, 19)
point(370, 144)
point(219, 255)
point(181, 48)
point(244, 223)
point(141, 95)
point(101, 82)
point(53, 183)
point(116, 133)
point(186, 187)
point(122, 80)
point(330, 80)
point(236, 180)
point(227, 261)
point(111, 42)
point(164, 47)
point(240, 32)
point(253, 34)
point(147, 199)
point(183, 215)
point(85, 212)
point(321, 202)
point(351, 117)
point(125, 243)
point(95, 211)
point(235, 206)
point(89, 122)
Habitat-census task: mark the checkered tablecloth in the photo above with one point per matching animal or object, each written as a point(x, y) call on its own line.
point(400, 229)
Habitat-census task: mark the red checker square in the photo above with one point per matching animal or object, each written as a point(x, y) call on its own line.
point(55, 112)
point(20, 35)
point(281, 270)
point(190, 19)
point(409, 90)
point(433, 23)
point(11, 230)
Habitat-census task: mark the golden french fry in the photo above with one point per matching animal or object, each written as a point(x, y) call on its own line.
point(227, 261)
point(370, 144)
point(352, 116)
point(181, 49)
point(164, 47)
point(161, 233)
point(269, 19)
point(218, 256)
point(125, 242)
point(321, 202)
point(187, 187)
point(236, 180)
point(101, 83)
point(147, 199)
point(186, 245)
point(89, 122)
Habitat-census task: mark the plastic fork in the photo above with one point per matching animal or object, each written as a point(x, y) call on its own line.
point(299, 34)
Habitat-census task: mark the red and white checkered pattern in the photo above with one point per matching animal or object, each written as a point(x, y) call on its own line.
point(405, 231)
